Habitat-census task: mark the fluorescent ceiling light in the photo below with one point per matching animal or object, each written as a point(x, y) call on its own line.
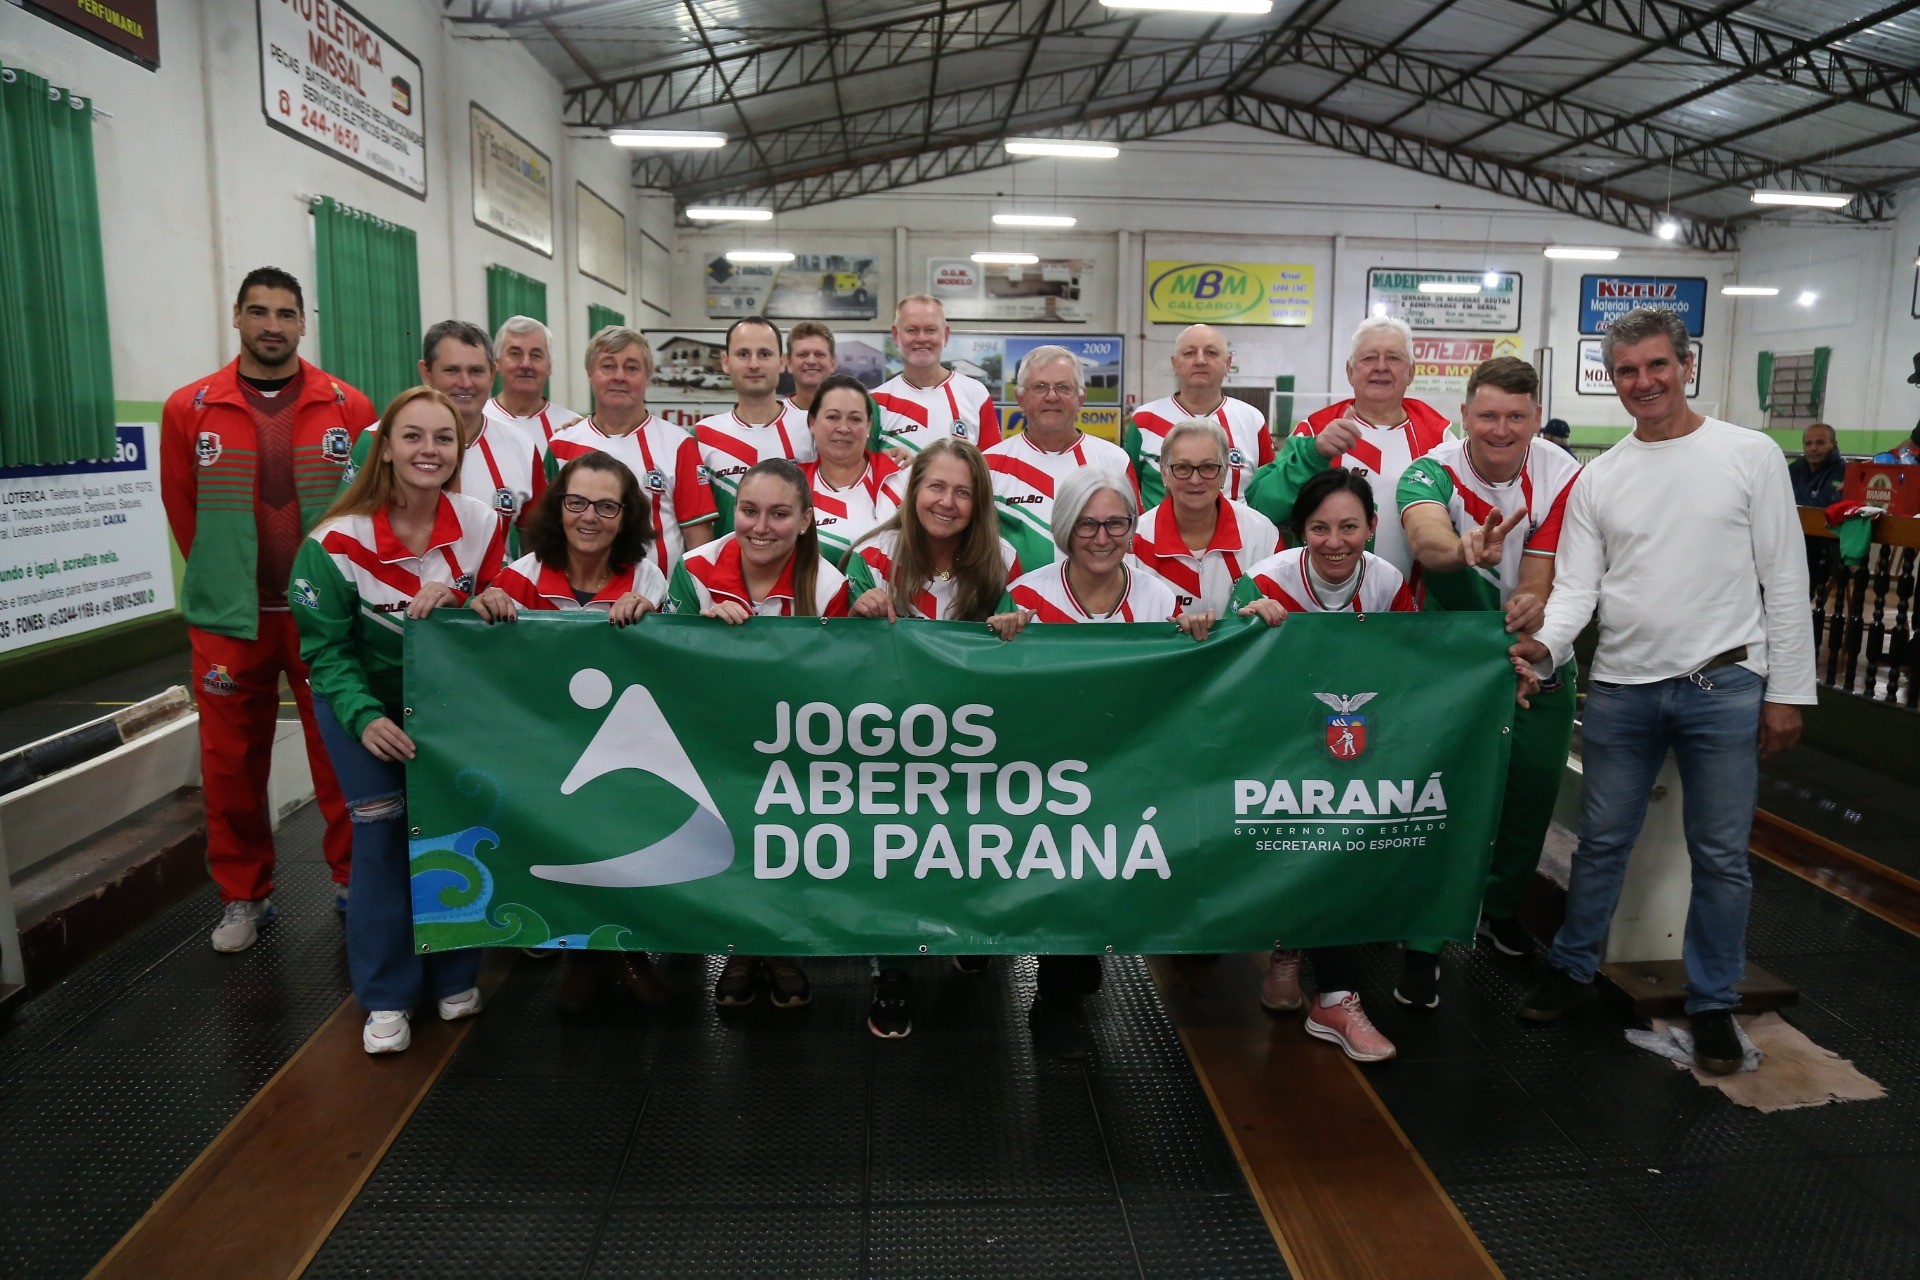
point(728, 213)
point(1032, 220)
point(1581, 253)
point(1060, 147)
point(1448, 286)
point(1747, 291)
point(1807, 298)
point(1006, 259)
point(1491, 280)
point(1667, 229)
point(1804, 199)
point(1256, 8)
point(758, 255)
point(667, 138)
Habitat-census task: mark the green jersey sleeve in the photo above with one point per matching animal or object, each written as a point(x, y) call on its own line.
point(1277, 485)
point(1153, 488)
point(859, 577)
point(362, 450)
point(326, 611)
point(1245, 592)
point(682, 598)
point(1424, 480)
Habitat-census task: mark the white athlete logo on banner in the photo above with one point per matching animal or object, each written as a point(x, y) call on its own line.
point(636, 735)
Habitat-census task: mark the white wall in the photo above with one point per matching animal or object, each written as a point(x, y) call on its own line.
point(196, 189)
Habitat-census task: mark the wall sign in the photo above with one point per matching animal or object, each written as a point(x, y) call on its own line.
point(131, 28)
point(337, 82)
point(83, 544)
point(1595, 380)
point(1603, 298)
point(512, 183)
point(1442, 363)
point(1264, 293)
point(1051, 289)
point(822, 286)
point(601, 236)
point(1495, 308)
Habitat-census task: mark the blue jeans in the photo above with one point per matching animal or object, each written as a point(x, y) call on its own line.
point(388, 970)
point(1711, 722)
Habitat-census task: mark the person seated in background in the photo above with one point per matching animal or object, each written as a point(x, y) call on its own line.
point(588, 536)
point(1819, 472)
point(1558, 432)
point(1906, 453)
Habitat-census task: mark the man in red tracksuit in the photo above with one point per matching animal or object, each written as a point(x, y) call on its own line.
point(250, 458)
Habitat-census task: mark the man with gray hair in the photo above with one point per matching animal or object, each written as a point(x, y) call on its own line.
point(525, 349)
point(1685, 538)
point(1028, 468)
point(1201, 359)
point(926, 400)
point(1379, 432)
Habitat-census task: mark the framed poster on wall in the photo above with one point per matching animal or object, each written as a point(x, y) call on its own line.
point(1449, 301)
point(1602, 298)
point(338, 83)
point(512, 183)
point(600, 234)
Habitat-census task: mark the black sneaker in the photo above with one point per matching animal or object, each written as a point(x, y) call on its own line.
point(1716, 1044)
point(1506, 934)
point(890, 1016)
point(1419, 984)
point(738, 984)
point(1555, 995)
point(973, 964)
point(1058, 1029)
point(787, 985)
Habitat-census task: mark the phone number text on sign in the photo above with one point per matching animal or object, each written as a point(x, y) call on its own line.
point(335, 81)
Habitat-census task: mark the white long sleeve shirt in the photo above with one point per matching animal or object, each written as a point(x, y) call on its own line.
point(1689, 548)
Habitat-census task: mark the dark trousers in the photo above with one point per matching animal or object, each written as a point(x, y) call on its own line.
point(1068, 977)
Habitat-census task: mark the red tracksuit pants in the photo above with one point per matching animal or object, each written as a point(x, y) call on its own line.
point(237, 687)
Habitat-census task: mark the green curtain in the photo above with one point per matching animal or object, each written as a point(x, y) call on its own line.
point(511, 294)
point(1817, 404)
point(599, 317)
point(56, 367)
point(369, 299)
point(1766, 381)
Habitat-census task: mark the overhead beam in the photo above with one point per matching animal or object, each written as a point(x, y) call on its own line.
point(1483, 173)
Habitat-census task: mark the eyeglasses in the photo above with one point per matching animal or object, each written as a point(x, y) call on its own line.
point(1188, 470)
point(1116, 526)
point(605, 508)
point(1045, 389)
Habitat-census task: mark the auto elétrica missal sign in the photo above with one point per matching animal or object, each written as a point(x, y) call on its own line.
point(337, 82)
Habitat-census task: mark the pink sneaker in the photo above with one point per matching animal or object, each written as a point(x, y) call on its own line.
point(1280, 989)
point(1347, 1025)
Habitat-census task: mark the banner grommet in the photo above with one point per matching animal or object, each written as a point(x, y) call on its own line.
point(414, 830)
point(923, 948)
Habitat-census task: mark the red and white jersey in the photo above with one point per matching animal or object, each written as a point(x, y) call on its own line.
point(934, 599)
point(540, 428)
point(1546, 478)
point(1045, 591)
point(464, 551)
point(713, 572)
point(534, 585)
point(843, 516)
point(1381, 589)
point(914, 417)
point(1383, 453)
point(1249, 439)
point(666, 462)
point(1024, 479)
point(1203, 580)
point(728, 446)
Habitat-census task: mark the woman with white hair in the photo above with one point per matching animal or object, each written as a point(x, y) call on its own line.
point(1094, 511)
point(1197, 541)
point(1379, 432)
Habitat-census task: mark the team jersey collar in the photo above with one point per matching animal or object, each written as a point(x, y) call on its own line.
point(879, 468)
point(388, 547)
point(315, 386)
point(595, 427)
point(1353, 598)
point(730, 577)
point(1196, 413)
point(554, 585)
point(1120, 606)
point(779, 417)
point(1519, 477)
point(1079, 439)
point(1166, 531)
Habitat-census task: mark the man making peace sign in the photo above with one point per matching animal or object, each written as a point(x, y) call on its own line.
point(1482, 517)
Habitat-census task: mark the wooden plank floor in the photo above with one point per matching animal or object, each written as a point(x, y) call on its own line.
point(263, 1196)
point(1858, 879)
point(1347, 1196)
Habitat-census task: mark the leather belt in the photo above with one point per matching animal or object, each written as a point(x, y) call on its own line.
point(1736, 654)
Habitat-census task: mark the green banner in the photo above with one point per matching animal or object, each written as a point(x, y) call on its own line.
point(799, 787)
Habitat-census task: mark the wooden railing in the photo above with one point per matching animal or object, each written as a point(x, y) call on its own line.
point(1864, 616)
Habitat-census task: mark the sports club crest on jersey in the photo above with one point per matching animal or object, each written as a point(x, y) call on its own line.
point(656, 480)
point(206, 449)
point(303, 592)
point(218, 680)
point(503, 501)
point(1235, 458)
point(335, 446)
point(962, 430)
point(1346, 732)
point(200, 398)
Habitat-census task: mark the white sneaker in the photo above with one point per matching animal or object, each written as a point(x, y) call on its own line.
point(387, 1031)
point(464, 1005)
point(240, 924)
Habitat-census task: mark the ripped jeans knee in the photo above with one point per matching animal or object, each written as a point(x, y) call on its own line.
point(387, 808)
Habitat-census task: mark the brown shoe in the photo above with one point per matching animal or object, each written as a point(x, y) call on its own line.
point(634, 971)
point(739, 982)
point(787, 984)
point(579, 978)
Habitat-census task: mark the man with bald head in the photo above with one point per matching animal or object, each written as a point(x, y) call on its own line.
point(1201, 360)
